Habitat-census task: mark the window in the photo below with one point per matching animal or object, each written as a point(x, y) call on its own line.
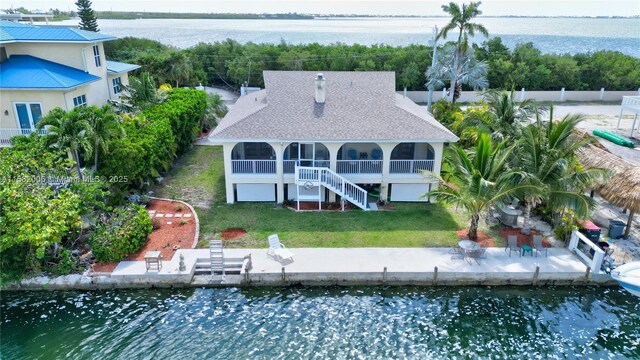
point(80, 101)
point(96, 55)
point(117, 85)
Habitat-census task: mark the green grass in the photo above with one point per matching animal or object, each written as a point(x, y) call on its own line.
point(198, 178)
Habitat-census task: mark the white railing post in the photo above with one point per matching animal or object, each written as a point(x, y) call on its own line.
point(573, 243)
point(411, 166)
point(562, 94)
point(522, 95)
point(601, 94)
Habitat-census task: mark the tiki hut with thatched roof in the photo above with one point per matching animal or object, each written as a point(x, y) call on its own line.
point(623, 188)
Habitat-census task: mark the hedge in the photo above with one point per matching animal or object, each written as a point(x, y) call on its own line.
point(184, 109)
point(154, 138)
point(122, 232)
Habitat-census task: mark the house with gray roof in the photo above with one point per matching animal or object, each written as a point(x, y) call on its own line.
point(329, 137)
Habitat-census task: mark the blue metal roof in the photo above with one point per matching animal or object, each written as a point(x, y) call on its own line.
point(26, 72)
point(15, 32)
point(115, 67)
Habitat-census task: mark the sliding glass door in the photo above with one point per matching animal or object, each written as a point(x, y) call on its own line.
point(28, 115)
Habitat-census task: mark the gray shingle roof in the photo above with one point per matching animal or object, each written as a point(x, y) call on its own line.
point(359, 106)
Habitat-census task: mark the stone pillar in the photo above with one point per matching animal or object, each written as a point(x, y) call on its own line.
point(333, 149)
point(227, 148)
point(279, 147)
point(387, 148)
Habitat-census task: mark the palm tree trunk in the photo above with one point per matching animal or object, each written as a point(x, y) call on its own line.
point(77, 159)
point(473, 227)
point(526, 224)
point(454, 76)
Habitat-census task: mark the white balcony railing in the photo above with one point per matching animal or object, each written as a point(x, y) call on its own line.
point(410, 166)
point(290, 165)
point(7, 134)
point(359, 167)
point(253, 166)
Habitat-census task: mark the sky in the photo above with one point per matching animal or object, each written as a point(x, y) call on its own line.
point(365, 7)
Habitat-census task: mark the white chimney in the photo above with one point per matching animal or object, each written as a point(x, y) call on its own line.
point(321, 89)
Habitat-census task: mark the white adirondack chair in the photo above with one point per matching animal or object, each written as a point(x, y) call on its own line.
point(277, 250)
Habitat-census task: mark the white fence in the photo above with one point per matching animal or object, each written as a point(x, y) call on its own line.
point(522, 94)
point(586, 250)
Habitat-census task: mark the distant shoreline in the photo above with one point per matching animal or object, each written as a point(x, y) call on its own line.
point(134, 15)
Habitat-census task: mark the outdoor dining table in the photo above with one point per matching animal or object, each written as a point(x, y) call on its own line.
point(468, 246)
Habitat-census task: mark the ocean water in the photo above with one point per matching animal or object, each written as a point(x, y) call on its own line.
point(322, 323)
point(550, 35)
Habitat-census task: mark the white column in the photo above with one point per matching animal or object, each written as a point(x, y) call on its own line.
point(333, 149)
point(279, 147)
point(438, 149)
point(387, 148)
point(227, 148)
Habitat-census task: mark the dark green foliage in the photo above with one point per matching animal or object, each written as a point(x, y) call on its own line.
point(154, 137)
point(121, 233)
point(88, 19)
point(185, 109)
point(226, 63)
point(147, 149)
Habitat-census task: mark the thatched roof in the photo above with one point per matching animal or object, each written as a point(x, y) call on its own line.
point(623, 188)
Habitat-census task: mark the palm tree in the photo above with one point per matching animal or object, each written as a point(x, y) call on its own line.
point(216, 110)
point(68, 131)
point(546, 159)
point(105, 124)
point(478, 179)
point(461, 20)
point(459, 69)
point(507, 117)
point(140, 94)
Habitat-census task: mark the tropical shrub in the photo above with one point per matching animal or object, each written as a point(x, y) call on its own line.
point(184, 109)
point(120, 233)
point(41, 207)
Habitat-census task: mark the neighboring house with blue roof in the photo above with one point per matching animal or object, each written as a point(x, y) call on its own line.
point(44, 67)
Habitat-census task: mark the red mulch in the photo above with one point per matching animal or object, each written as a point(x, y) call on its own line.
point(325, 206)
point(164, 238)
point(522, 238)
point(233, 233)
point(483, 239)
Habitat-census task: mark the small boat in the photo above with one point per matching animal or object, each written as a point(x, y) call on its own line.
point(628, 275)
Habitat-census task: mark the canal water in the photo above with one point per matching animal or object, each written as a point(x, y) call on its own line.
point(320, 323)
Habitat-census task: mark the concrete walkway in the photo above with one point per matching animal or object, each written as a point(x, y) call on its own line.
point(330, 266)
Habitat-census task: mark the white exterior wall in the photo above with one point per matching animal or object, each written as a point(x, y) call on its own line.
point(48, 99)
point(124, 80)
point(256, 192)
point(417, 184)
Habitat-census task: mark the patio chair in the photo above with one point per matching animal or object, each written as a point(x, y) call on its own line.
point(478, 254)
point(457, 252)
point(376, 154)
point(512, 245)
point(352, 154)
point(537, 245)
point(277, 250)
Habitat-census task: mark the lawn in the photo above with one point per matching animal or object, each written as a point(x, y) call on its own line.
point(198, 178)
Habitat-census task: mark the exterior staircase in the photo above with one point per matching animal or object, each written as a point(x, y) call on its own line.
point(216, 264)
point(322, 176)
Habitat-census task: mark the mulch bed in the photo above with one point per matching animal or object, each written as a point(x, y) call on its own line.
point(233, 233)
point(483, 239)
point(522, 238)
point(163, 239)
